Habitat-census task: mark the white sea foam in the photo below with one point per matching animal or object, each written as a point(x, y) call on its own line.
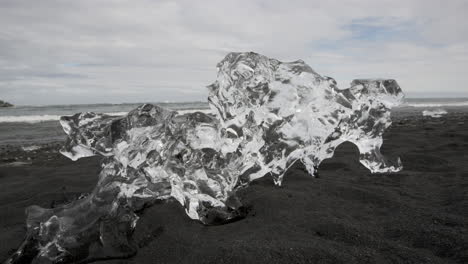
point(31, 119)
point(205, 111)
point(116, 113)
point(28, 118)
point(436, 104)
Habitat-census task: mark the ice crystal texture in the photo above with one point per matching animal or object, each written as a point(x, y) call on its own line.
point(267, 115)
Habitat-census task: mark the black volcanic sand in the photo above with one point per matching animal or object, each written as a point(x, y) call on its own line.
point(346, 215)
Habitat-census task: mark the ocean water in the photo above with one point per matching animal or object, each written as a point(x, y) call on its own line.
point(30, 125)
point(436, 102)
point(35, 114)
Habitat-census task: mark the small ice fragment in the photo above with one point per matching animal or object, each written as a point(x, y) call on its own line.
point(31, 148)
point(436, 113)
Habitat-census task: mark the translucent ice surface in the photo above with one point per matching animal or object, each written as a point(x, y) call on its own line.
point(267, 115)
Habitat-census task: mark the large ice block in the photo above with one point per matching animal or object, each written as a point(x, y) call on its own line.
point(267, 115)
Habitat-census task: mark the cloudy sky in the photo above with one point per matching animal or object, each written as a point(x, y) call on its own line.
point(90, 51)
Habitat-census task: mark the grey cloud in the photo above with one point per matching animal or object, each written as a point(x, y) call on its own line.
point(127, 51)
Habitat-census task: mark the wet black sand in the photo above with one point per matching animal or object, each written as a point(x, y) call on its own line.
point(347, 215)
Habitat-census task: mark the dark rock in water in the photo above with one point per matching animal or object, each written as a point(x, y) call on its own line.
point(5, 104)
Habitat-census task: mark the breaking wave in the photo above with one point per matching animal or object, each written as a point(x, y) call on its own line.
point(28, 118)
point(435, 104)
point(44, 118)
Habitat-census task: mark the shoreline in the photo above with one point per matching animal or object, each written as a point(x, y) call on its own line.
point(347, 215)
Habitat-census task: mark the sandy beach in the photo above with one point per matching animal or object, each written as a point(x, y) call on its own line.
point(346, 215)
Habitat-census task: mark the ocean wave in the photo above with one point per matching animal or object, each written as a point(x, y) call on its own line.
point(436, 104)
point(28, 118)
point(31, 119)
point(183, 112)
point(116, 113)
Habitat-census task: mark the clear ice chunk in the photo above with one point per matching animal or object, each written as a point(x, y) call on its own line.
point(267, 116)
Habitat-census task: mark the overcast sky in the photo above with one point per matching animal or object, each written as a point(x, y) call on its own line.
point(89, 51)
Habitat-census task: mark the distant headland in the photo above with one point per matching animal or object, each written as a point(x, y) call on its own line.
point(5, 104)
